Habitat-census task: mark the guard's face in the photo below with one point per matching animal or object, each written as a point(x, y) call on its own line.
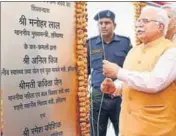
point(106, 26)
point(172, 21)
point(147, 26)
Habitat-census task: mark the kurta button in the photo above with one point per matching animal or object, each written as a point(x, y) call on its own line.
point(129, 111)
point(130, 98)
point(139, 62)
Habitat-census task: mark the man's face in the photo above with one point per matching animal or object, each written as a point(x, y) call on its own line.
point(106, 26)
point(147, 27)
point(172, 21)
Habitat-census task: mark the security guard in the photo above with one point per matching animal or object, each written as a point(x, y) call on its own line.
point(114, 48)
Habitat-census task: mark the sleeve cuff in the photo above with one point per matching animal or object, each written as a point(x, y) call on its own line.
point(118, 85)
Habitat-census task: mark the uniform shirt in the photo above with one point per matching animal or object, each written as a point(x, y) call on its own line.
point(115, 52)
point(159, 78)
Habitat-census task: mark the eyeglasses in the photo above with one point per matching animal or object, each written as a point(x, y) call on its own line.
point(146, 21)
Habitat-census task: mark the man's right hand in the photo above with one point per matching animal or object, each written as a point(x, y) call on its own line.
point(108, 86)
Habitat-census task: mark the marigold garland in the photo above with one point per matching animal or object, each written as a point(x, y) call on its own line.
point(138, 7)
point(81, 51)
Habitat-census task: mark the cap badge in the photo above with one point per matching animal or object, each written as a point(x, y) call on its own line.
point(108, 14)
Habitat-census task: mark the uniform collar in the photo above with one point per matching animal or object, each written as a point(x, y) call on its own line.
point(115, 38)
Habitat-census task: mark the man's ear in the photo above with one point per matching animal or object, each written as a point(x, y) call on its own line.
point(115, 26)
point(161, 27)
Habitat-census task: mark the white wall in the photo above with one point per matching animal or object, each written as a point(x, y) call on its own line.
point(124, 17)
